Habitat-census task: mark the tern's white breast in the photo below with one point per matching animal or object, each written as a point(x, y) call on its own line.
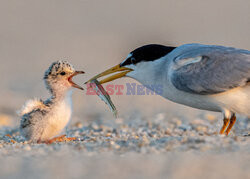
point(158, 73)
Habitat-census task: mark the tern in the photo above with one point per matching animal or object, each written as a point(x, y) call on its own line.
point(206, 77)
point(43, 120)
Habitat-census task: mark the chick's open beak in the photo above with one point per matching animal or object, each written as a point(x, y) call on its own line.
point(74, 84)
point(117, 68)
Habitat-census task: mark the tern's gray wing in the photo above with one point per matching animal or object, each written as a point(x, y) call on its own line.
point(211, 70)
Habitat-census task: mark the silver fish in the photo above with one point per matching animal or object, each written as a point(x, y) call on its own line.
point(100, 91)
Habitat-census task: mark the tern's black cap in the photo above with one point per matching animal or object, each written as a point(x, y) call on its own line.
point(147, 53)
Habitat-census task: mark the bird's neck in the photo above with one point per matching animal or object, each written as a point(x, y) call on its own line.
point(61, 96)
point(150, 73)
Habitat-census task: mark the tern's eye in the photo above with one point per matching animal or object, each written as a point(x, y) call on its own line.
point(133, 61)
point(63, 73)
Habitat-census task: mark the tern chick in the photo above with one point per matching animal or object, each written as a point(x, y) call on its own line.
point(43, 120)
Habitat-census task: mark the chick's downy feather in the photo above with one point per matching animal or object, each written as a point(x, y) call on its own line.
point(31, 105)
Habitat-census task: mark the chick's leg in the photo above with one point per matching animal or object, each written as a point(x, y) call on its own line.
point(61, 138)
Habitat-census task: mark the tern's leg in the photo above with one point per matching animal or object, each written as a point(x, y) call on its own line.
point(231, 124)
point(225, 124)
point(61, 138)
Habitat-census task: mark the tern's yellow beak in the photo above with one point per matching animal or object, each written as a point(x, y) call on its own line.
point(117, 68)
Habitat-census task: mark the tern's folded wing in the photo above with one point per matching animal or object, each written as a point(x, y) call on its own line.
point(211, 70)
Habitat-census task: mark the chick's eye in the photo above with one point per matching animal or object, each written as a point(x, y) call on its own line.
point(62, 73)
point(133, 61)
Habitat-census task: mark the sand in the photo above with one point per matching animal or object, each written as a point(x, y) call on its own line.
point(154, 147)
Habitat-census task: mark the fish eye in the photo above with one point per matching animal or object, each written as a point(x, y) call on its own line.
point(63, 73)
point(133, 60)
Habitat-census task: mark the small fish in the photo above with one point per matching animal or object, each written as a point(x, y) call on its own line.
point(100, 91)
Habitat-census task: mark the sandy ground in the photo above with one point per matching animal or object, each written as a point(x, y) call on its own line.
point(153, 138)
point(153, 147)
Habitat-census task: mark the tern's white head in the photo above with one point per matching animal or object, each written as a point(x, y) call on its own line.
point(58, 78)
point(137, 64)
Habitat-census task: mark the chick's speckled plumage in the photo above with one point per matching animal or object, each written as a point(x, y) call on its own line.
point(43, 120)
point(52, 76)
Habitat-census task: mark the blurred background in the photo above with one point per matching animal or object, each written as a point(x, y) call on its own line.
point(95, 35)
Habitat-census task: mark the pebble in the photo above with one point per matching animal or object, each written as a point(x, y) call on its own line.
point(94, 126)
point(210, 117)
point(27, 148)
point(119, 121)
point(78, 125)
point(176, 121)
point(159, 117)
point(153, 135)
point(201, 128)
